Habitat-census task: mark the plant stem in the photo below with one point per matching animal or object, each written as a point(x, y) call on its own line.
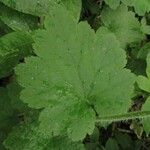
point(123, 117)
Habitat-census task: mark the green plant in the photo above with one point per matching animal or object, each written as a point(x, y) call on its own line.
point(65, 81)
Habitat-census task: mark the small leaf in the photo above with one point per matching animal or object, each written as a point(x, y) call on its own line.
point(17, 21)
point(113, 3)
point(140, 6)
point(111, 144)
point(144, 27)
point(5, 107)
point(124, 24)
point(143, 52)
point(144, 84)
point(13, 47)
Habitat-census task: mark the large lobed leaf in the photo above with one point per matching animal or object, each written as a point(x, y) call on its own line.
point(75, 71)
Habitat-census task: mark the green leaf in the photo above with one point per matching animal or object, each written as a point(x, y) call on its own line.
point(13, 47)
point(113, 3)
point(63, 143)
point(42, 7)
point(16, 20)
point(124, 141)
point(140, 6)
point(14, 90)
point(27, 138)
point(124, 24)
point(7, 120)
point(5, 107)
point(71, 115)
point(144, 27)
point(74, 6)
point(111, 144)
point(34, 7)
point(144, 84)
point(75, 71)
point(143, 52)
point(146, 121)
point(4, 29)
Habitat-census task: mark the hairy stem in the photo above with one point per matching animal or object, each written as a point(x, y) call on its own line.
point(123, 117)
